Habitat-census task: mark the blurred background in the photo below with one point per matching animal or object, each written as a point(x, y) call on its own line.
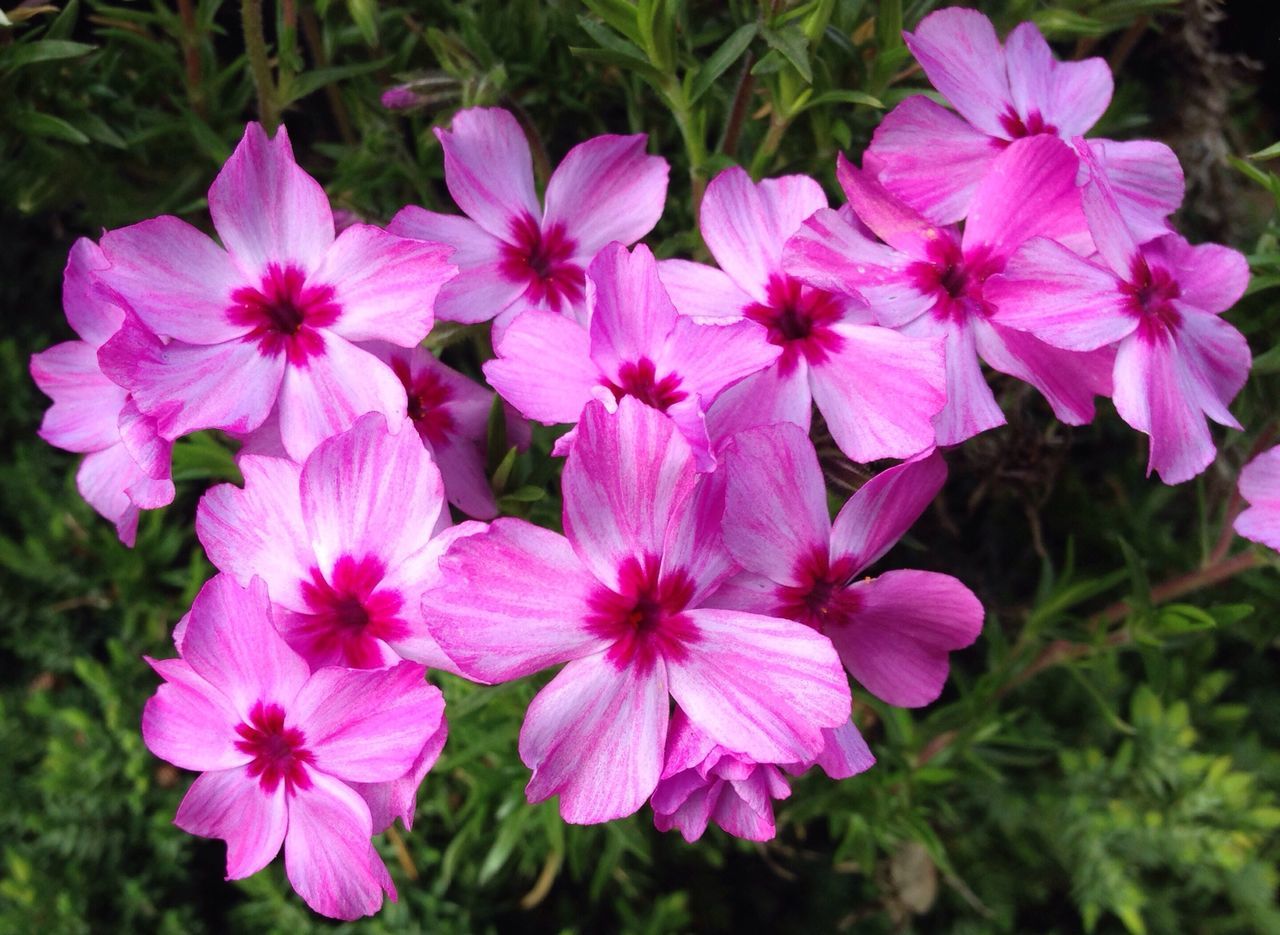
point(1105, 758)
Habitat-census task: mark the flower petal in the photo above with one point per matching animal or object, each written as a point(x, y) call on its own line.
point(1070, 96)
point(90, 309)
point(190, 723)
point(764, 398)
point(971, 407)
point(103, 479)
point(1068, 379)
point(883, 509)
point(702, 292)
point(1260, 487)
point(1147, 181)
point(1210, 277)
point(962, 56)
point(891, 219)
point(631, 313)
point(544, 367)
point(86, 405)
point(231, 805)
point(711, 358)
point(388, 801)
point(488, 169)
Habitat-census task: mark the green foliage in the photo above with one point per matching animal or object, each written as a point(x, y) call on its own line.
point(1104, 758)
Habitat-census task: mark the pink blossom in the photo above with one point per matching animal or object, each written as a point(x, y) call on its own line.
point(934, 159)
point(1260, 488)
point(635, 345)
point(280, 747)
point(512, 252)
point(893, 632)
point(451, 414)
point(928, 281)
point(621, 599)
point(346, 543)
point(270, 322)
point(704, 782)
point(1177, 360)
point(877, 389)
point(126, 467)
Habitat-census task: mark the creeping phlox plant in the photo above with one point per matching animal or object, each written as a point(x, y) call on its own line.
point(705, 609)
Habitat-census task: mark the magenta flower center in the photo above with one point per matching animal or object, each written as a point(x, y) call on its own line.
point(351, 612)
point(1017, 128)
point(428, 402)
point(544, 260)
point(956, 279)
point(1150, 292)
point(279, 752)
point(799, 319)
point(284, 312)
point(823, 597)
point(640, 379)
point(644, 618)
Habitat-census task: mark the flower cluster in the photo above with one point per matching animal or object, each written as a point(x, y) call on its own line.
point(705, 609)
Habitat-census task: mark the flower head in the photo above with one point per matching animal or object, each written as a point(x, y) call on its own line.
point(1260, 488)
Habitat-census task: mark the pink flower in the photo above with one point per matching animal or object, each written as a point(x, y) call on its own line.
point(1177, 360)
point(126, 467)
point(704, 782)
point(269, 323)
point(451, 414)
point(635, 345)
point(878, 390)
point(934, 160)
point(346, 544)
point(512, 252)
point(1260, 487)
point(893, 632)
point(620, 599)
point(928, 281)
point(279, 747)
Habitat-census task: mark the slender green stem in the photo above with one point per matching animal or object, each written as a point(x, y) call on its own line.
point(255, 44)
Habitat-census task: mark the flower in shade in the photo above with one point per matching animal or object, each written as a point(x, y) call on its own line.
point(126, 467)
point(280, 747)
point(512, 252)
point(346, 543)
point(703, 782)
point(933, 158)
point(893, 632)
point(877, 389)
point(619, 598)
point(928, 281)
point(635, 345)
point(1177, 360)
point(270, 322)
point(1260, 488)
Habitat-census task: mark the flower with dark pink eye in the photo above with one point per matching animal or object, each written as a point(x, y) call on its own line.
point(350, 613)
point(643, 617)
point(279, 752)
point(640, 379)
point(1151, 291)
point(823, 597)
point(428, 401)
point(543, 259)
point(799, 319)
point(1034, 125)
point(955, 277)
point(284, 312)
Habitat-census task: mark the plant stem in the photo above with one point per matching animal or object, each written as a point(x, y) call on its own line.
point(255, 44)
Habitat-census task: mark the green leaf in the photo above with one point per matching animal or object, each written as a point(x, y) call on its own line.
point(46, 50)
point(845, 97)
point(793, 46)
point(202, 457)
point(1271, 152)
point(311, 81)
point(719, 61)
point(65, 21)
point(49, 126)
point(525, 494)
point(888, 25)
point(621, 60)
point(364, 13)
point(619, 14)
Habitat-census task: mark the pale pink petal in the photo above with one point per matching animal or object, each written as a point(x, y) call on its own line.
point(1068, 379)
point(1215, 358)
point(736, 813)
point(231, 805)
point(697, 798)
point(746, 225)
point(897, 643)
point(962, 56)
point(879, 392)
point(691, 420)
point(328, 856)
point(768, 397)
point(189, 722)
point(544, 367)
point(884, 508)
point(702, 292)
point(746, 591)
point(1210, 277)
point(693, 544)
point(388, 801)
point(466, 481)
point(1030, 191)
point(1111, 235)
point(891, 219)
point(482, 288)
point(627, 474)
point(331, 391)
point(971, 407)
point(90, 309)
point(1260, 487)
point(367, 725)
point(687, 747)
point(177, 280)
point(511, 600)
point(368, 493)
point(86, 405)
point(488, 169)
point(1147, 181)
point(138, 432)
point(1155, 395)
point(189, 387)
point(1060, 298)
point(631, 314)
point(760, 686)
point(231, 642)
point(595, 737)
point(266, 209)
point(775, 501)
point(930, 158)
point(385, 285)
point(711, 358)
point(149, 493)
point(1070, 96)
point(606, 190)
point(259, 530)
point(846, 752)
point(103, 478)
